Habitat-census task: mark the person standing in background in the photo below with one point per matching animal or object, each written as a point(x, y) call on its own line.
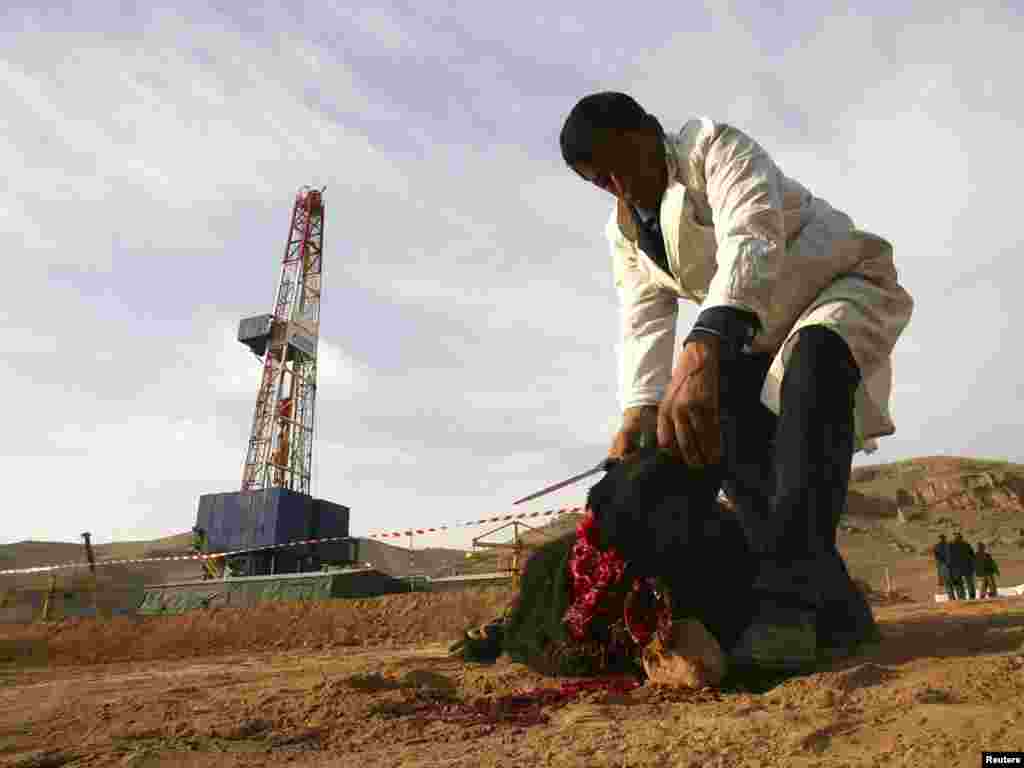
point(961, 562)
point(986, 570)
point(941, 553)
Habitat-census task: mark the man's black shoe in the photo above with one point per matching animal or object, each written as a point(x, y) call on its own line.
point(781, 638)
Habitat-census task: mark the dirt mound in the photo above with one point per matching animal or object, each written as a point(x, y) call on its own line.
point(382, 621)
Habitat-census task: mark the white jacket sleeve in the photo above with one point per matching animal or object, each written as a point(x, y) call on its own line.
point(744, 190)
point(648, 316)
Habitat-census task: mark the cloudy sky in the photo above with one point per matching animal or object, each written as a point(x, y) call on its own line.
point(150, 160)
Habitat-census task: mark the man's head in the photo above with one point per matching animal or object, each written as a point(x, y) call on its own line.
point(611, 141)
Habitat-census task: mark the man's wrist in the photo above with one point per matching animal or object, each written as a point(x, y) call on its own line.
point(705, 337)
point(733, 328)
point(640, 414)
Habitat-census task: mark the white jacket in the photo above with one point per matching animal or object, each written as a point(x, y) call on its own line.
point(740, 233)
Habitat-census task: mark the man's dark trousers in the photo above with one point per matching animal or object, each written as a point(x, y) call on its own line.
point(789, 475)
point(964, 580)
point(947, 581)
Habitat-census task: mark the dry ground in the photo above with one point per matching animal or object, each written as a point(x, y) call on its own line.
point(368, 683)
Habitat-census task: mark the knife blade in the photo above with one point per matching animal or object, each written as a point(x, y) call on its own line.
point(604, 466)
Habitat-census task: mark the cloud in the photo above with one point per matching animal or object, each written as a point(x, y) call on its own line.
point(126, 139)
point(118, 480)
point(469, 323)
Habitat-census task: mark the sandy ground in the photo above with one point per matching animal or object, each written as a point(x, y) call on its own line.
point(308, 685)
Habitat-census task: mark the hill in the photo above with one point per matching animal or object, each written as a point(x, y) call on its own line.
point(396, 561)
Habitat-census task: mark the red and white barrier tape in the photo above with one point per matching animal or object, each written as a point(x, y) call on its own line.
point(215, 555)
point(62, 566)
point(470, 523)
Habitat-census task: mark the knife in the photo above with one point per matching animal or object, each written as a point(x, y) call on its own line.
point(604, 466)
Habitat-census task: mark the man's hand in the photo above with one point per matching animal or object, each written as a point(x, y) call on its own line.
point(639, 427)
point(688, 418)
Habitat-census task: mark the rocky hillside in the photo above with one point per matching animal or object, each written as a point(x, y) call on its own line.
point(982, 499)
point(897, 511)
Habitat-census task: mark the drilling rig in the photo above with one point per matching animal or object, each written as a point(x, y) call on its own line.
point(274, 505)
point(280, 452)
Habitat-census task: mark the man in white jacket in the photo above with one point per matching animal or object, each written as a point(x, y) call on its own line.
point(786, 371)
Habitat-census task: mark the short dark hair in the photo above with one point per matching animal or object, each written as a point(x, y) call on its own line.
point(596, 115)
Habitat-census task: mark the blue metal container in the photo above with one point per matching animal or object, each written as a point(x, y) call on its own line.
point(330, 519)
point(238, 520)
